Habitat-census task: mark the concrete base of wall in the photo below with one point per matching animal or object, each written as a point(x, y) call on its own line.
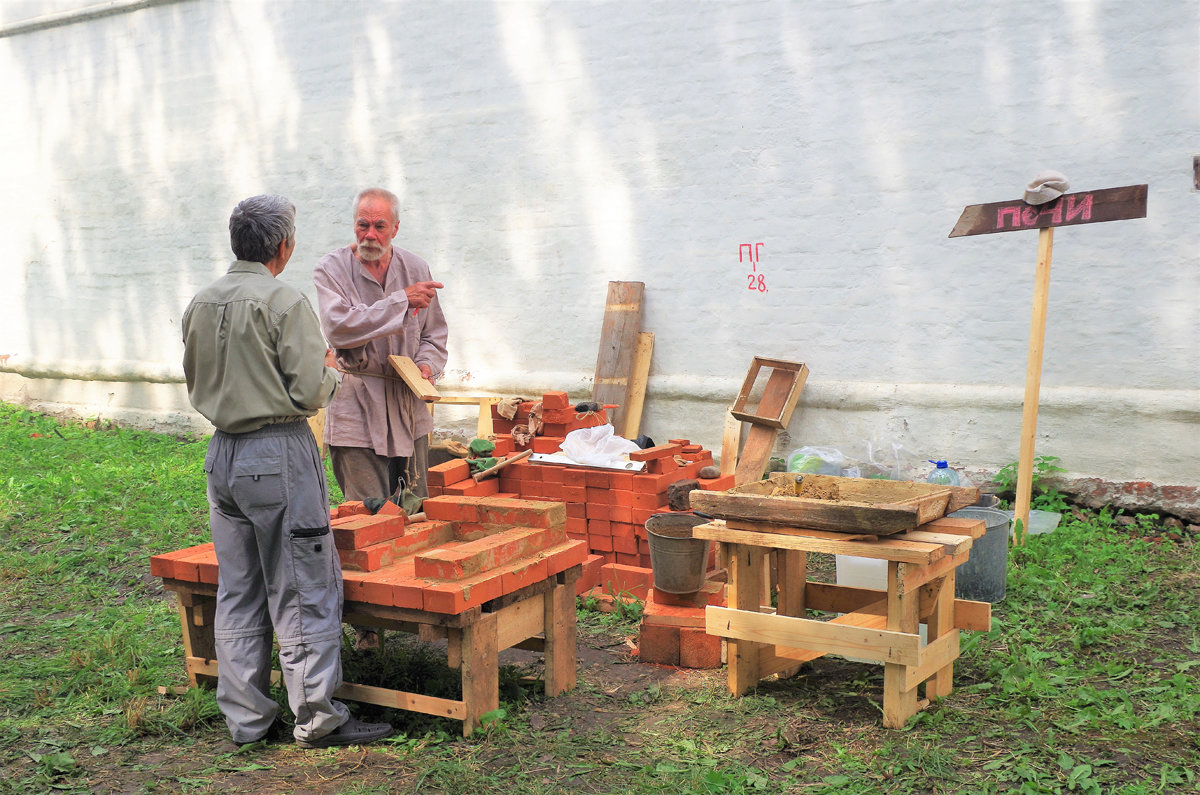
point(1128, 448)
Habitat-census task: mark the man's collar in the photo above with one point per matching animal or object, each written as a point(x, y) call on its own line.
point(245, 266)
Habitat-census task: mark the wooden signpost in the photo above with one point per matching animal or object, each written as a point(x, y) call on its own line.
point(1089, 207)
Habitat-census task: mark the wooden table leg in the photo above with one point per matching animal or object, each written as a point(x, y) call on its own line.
point(792, 575)
point(899, 704)
point(480, 671)
point(560, 630)
point(745, 587)
point(196, 614)
point(940, 622)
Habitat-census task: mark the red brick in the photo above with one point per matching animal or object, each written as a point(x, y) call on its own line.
point(658, 613)
point(475, 557)
point(616, 578)
point(522, 470)
point(501, 425)
point(470, 488)
point(508, 483)
point(574, 493)
point(621, 513)
point(590, 576)
point(662, 466)
point(574, 476)
point(552, 473)
point(552, 490)
point(451, 509)
point(422, 535)
point(455, 597)
point(597, 527)
point(564, 556)
point(352, 508)
point(504, 445)
point(548, 444)
point(698, 649)
point(521, 574)
point(623, 530)
point(658, 644)
point(625, 559)
point(601, 496)
point(653, 453)
point(558, 429)
point(453, 471)
point(595, 511)
point(600, 543)
point(526, 513)
point(626, 544)
point(369, 558)
point(576, 524)
point(621, 480)
point(576, 509)
point(359, 532)
point(352, 585)
point(723, 483)
point(555, 400)
point(649, 501)
point(558, 416)
point(597, 479)
point(623, 497)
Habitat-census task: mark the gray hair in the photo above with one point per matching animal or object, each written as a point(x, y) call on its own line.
point(378, 193)
point(259, 224)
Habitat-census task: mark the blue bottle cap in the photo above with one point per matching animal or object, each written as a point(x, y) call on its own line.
point(939, 464)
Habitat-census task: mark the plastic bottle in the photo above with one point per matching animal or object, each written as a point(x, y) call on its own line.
point(943, 474)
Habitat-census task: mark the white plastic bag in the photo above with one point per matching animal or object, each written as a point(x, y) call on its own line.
point(597, 447)
point(823, 460)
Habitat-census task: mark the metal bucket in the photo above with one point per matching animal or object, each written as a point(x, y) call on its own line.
point(677, 559)
point(983, 577)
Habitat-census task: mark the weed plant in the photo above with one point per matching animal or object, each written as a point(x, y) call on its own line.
point(1086, 683)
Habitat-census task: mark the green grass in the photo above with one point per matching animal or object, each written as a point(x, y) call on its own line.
point(1087, 682)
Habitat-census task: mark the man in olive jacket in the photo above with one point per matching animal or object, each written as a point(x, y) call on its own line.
point(257, 367)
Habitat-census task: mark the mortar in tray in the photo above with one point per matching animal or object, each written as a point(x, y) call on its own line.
point(837, 504)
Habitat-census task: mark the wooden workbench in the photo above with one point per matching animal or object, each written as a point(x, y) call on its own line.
point(540, 617)
point(875, 625)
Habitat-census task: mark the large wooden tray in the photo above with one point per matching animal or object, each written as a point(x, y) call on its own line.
point(842, 505)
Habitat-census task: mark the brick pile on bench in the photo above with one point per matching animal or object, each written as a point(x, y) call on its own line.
point(607, 509)
point(469, 551)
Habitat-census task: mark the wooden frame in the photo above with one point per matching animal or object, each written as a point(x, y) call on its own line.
point(540, 617)
point(780, 394)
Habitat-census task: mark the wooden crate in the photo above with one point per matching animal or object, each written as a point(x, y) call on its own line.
point(837, 504)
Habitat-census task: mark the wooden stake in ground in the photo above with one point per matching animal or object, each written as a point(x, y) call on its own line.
point(1112, 204)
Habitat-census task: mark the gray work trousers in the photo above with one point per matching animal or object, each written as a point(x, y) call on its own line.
point(278, 570)
point(362, 474)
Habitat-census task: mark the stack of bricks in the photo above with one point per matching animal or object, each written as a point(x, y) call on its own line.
point(559, 418)
point(607, 508)
point(469, 551)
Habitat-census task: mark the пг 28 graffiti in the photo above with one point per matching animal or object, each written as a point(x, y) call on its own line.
point(754, 279)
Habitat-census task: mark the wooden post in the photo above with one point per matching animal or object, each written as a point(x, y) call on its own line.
point(1033, 382)
point(1089, 207)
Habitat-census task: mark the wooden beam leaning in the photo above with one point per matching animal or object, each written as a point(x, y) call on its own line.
point(637, 385)
point(618, 347)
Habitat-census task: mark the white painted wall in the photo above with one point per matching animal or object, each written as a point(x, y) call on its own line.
point(544, 149)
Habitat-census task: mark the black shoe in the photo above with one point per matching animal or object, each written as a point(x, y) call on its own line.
point(352, 732)
point(278, 732)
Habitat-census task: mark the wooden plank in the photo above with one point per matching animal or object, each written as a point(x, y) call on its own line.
point(755, 454)
point(908, 551)
point(316, 424)
point(953, 543)
point(517, 622)
point(1088, 207)
point(731, 442)
point(825, 502)
point(937, 661)
point(384, 697)
point(786, 632)
point(411, 374)
point(561, 632)
point(618, 346)
point(830, 598)
point(480, 671)
point(638, 380)
point(974, 528)
point(900, 700)
point(1033, 383)
point(940, 625)
point(745, 589)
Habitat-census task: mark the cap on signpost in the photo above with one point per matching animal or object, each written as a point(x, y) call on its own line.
point(1046, 187)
